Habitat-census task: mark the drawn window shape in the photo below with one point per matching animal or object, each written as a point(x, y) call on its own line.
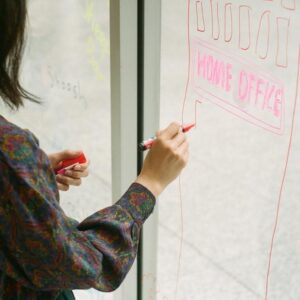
point(228, 22)
point(200, 16)
point(263, 36)
point(215, 20)
point(244, 27)
point(289, 4)
point(283, 25)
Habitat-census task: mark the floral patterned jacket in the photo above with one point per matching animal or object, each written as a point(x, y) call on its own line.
point(42, 250)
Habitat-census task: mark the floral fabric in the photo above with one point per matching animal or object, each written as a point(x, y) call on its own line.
point(42, 250)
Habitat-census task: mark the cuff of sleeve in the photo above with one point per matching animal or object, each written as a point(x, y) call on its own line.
point(138, 201)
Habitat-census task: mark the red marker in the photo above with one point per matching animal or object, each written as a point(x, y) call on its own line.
point(70, 163)
point(145, 145)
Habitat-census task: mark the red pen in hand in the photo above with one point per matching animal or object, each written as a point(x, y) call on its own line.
point(70, 163)
point(145, 145)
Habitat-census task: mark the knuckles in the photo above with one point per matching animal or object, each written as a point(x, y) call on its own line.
point(177, 156)
point(175, 125)
point(183, 161)
point(63, 187)
point(182, 136)
point(171, 150)
point(164, 144)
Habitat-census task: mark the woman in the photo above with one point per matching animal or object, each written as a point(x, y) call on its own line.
point(44, 254)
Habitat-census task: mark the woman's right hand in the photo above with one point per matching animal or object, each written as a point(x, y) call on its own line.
point(167, 157)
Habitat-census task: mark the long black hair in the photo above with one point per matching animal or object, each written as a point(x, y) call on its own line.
point(13, 15)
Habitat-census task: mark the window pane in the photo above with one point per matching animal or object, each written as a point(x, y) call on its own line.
point(67, 64)
point(240, 189)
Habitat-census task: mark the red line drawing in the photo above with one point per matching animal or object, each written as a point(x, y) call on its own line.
point(262, 41)
point(283, 26)
point(181, 239)
point(221, 101)
point(182, 115)
point(282, 48)
point(245, 39)
point(227, 19)
point(200, 21)
point(189, 59)
point(283, 179)
point(197, 102)
point(215, 20)
point(289, 4)
point(181, 214)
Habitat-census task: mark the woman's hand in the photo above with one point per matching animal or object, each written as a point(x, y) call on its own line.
point(72, 176)
point(167, 157)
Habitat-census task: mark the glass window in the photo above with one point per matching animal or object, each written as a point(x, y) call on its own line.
point(67, 65)
point(233, 68)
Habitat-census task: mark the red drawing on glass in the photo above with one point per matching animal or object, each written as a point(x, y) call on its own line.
point(197, 102)
point(279, 201)
point(283, 25)
point(289, 4)
point(259, 97)
point(200, 16)
point(237, 86)
point(214, 8)
point(228, 22)
point(244, 27)
point(263, 36)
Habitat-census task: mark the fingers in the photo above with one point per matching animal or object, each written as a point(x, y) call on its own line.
point(57, 158)
point(183, 148)
point(186, 157)
point(67, 181)
point(183, 153)
point(78, 171)
point(177, 143)
point(170, 131)
point(158, 133)
point(76, 174)
point(72, 177)
point(82, 167)
point(68, 154)
point(178, 140)
point(62, 187)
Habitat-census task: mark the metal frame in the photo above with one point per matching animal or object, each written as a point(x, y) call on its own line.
point(135, 90)
point(123, 36)
point(151, 113)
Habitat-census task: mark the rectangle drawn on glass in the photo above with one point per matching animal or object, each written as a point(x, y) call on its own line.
point(237, 86)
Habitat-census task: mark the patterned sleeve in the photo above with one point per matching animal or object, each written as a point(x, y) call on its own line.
point(41, 247)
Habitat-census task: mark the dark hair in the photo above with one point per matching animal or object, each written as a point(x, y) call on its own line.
point(13, 15)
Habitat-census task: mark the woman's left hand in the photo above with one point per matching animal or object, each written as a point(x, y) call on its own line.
point(72, 176)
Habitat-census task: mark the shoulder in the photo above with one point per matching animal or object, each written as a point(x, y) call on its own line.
point(23, 161)
point(20, 154)
point(16, 144)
